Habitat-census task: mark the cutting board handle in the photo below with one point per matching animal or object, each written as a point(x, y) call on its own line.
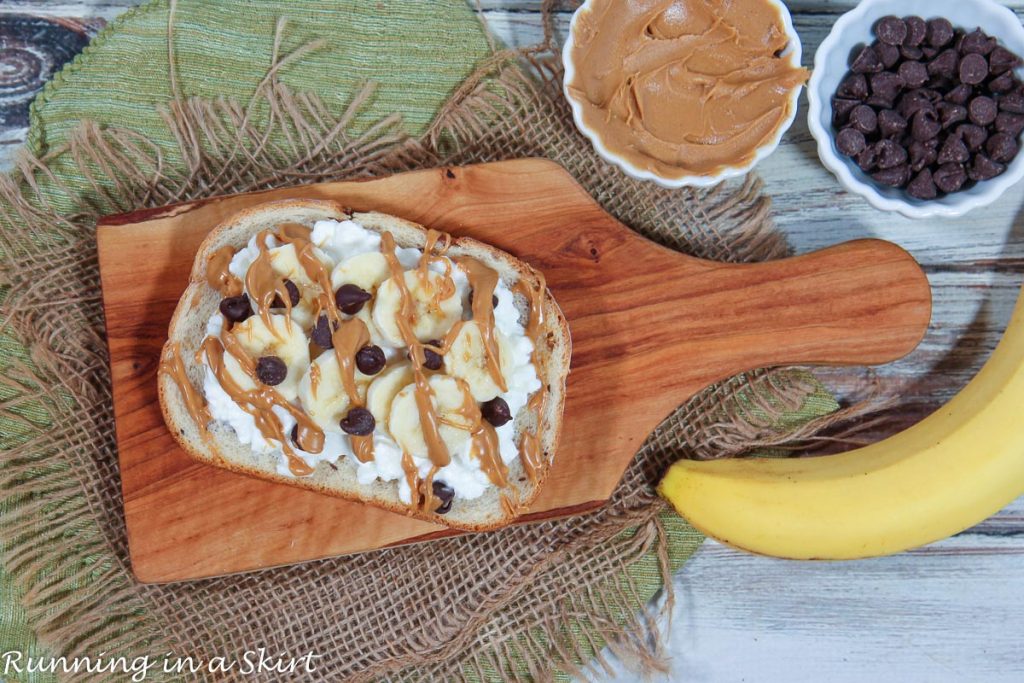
point(676, 324)
point(858, 303)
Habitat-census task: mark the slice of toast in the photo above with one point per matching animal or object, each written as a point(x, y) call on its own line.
point(217, 444)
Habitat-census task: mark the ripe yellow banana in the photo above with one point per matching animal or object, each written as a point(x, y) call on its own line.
point(941, 476)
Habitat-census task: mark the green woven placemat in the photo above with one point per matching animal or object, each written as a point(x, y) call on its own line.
point(417, 53)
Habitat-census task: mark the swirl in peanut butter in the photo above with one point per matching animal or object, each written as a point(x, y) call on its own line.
point(683, 87)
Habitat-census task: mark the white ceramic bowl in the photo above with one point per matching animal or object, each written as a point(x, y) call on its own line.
point(831, 63)
point(792, 51)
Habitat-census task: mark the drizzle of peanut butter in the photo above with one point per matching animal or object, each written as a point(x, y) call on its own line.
point(259, 403)
point(172, 366)
point(437, 450)
point(433, 253)
point(427, 500)
point(530, 452)
point(263, 284)
point(483, 280)
point(351, 336)
point(314, 378)
point(348, 336)
point(683, 87)
point(485, 447)
point(218, 276)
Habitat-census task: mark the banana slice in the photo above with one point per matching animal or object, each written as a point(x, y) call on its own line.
point(384, 388)
point(404, 419)
point(466, 359)
point(365, 271)
point(289, 345)
point(285, 262)
point(328, 402)
point(432, 320)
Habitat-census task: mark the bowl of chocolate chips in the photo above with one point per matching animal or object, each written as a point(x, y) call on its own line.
point(918, 105)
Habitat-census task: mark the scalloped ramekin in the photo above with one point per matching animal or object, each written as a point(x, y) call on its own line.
point(831, 63)
point(792, 51)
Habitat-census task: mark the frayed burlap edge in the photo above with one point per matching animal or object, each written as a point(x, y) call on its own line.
point(79, 594)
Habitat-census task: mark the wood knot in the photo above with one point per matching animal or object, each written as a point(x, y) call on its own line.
point(586, 246)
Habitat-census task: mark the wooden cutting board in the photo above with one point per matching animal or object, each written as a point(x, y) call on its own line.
point(650, 327)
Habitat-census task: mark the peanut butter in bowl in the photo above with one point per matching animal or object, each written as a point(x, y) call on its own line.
point(683, 92)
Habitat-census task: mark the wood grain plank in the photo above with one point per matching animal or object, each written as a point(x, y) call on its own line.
point(935, 616)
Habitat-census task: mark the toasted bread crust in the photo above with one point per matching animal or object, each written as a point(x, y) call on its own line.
point(215, 447)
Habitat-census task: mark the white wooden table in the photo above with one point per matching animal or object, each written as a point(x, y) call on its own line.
point(953, 611)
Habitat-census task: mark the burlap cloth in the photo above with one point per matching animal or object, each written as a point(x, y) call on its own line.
point(252, 103)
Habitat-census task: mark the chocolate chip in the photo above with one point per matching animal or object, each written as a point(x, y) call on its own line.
point(432, 360)
point(235, 308)
point(917, 29)
point(891, 30)
point(921, 154)
point(925, 125)
point(1011, 124)
point(850, 141)
point(949, 177)
point(1002, 60)
point(293, 295)
point(1002, 83)
point(953, 151)
point(922, 186)
point(911, 53)
point(913, 102)
point(867, 61)
point(945, 64)
point(351, 298)
point(1012, 102)
point(271, 370)
point(370, 359)
point(876, 101)
point(864, 119)
point(444, 493)
point(854, 87)
point(888, 54)
point(982, 110)
point(929, 52)
point(886, 84)
point(321, 334)
point(496, 411)
point(939, 32)
point(950, 114)
point(295, 435)
point(841, 109)
point(983, 168)
point(977, 42)
point(1001, 148)
point(940, 83)
point(959, 94)
point(973, 69)
point(893, 177)
point(868, 158)
point(358, 422)
point(891, 124)
point(890, 154)
point(973, 136)
point(913, 74)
